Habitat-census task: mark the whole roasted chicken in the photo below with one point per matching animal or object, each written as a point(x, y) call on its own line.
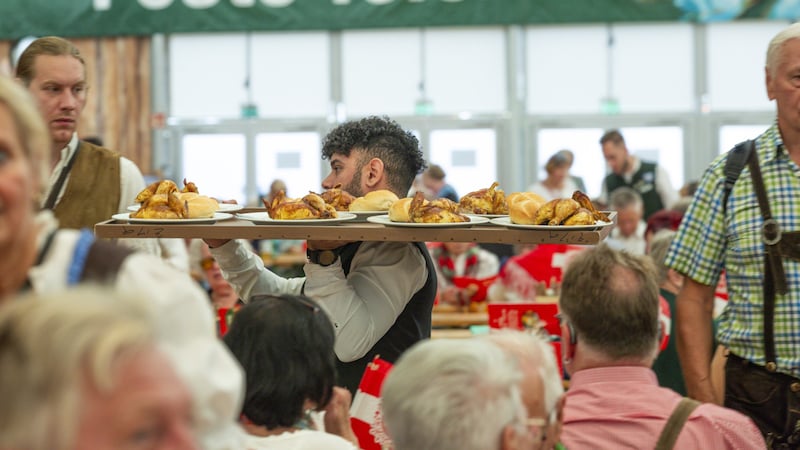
point(441, 210)
point(485, 201)
point(585, 202)
point(311, 206)
point(338, 198)
point(163, 200)
point(563, 211)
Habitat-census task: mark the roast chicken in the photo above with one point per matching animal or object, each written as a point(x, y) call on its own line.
point(485, 201)
point(312, 206)
point(162, 200)
point(338, 198)
point(585, 202)
point(565, 211)
point(441, 210)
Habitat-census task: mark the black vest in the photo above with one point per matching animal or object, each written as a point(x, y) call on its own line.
point(643, 182)
point(411, 326)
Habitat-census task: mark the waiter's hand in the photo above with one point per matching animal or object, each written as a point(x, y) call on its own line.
point(214, 243)
point(325, 245)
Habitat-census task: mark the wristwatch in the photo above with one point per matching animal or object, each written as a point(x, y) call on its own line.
point(323, 257)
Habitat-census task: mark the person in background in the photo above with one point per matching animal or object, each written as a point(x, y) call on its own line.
point(88, 183)
point(667, 366)
point(379, 295)
point(558, 183)
point(666, 219)
point(96, 379)
point(628, 234)
point(458, 260)
point(221, 292)
point(609, 341)
point(37, 256)
point(762, 373)
point(285, 344)
point(542, 386)
point(433, 180)
point(649, 179)
point(457, 393)
point(276, 186)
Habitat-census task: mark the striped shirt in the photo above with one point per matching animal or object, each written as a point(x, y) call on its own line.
point(711, 239)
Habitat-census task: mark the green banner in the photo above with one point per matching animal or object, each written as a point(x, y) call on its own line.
point(73, 18)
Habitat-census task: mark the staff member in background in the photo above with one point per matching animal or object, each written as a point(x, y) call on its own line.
point(379, 295)
point(88, 183)
point(649, 179)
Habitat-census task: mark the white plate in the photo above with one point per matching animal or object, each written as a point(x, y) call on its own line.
point(127, 218)
point(262, 218)
point(384, 220)
point(362, 216)
point(506, 222)
point(223, 207)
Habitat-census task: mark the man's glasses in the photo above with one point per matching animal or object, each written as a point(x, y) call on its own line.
point(295, 298)
point(207, 263)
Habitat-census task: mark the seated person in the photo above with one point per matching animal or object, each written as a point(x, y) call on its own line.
point(457, 394)
point(535, 270)
point(614, 400)
point(456, 260)
point(628, 233)
point(285, 344)
point(95, 380)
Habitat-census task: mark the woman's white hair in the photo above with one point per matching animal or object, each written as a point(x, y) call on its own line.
point(452, 394)
point(50, 346)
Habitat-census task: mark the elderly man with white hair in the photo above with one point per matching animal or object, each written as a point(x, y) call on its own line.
point(462, 394)
point(542, 386)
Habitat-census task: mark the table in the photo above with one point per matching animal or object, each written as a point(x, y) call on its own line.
point(347, 231)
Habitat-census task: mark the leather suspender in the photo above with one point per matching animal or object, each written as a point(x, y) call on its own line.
point(672, 429)
point(51, 199)
point(774, 275)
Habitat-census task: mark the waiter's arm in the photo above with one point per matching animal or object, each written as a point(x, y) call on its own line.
point(695, 305)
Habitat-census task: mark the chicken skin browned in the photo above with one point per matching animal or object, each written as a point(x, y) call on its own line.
point(485, 201)
point(338, 198)
point(312, 206)
point(585, 202)
point(162, 206)
point(581, 217)
point(441, 210)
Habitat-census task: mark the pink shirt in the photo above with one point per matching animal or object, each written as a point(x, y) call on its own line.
point(623, 407)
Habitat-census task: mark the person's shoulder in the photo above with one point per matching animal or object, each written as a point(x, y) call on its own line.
point(732, 425)
point(88, 146)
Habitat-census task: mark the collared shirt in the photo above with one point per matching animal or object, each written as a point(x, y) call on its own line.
point(362, 306)
point(663, 185)
point(131, 181)
point(710, 240)
point(634, 244)
point(623, 407)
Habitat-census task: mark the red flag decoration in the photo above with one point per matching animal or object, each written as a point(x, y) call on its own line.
point(365, 412)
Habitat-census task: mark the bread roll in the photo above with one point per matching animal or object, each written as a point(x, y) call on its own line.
point(523, 211)
point(199, 206)
point(517, 196)
point(380, 200)
point(398, 212)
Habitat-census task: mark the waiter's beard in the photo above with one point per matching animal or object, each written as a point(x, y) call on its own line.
point(354, 186)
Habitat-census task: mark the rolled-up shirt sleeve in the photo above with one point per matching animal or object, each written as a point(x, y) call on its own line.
point(245, 271)
point(363, 306)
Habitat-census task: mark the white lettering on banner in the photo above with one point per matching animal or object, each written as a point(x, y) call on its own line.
point(155, 4)
point(277, 3)
point(105, 5)
point(200, 4)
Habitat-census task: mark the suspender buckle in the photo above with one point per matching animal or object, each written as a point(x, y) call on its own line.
point(771, 232)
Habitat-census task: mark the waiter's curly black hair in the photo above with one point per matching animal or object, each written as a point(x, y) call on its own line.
point(379, 137)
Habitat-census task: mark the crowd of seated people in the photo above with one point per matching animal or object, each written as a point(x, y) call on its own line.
point(134, 360)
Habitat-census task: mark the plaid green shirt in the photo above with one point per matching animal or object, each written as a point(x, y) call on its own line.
point(710, 240)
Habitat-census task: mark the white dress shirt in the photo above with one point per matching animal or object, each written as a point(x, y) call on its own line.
point(662, 183)
point(363, 306)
